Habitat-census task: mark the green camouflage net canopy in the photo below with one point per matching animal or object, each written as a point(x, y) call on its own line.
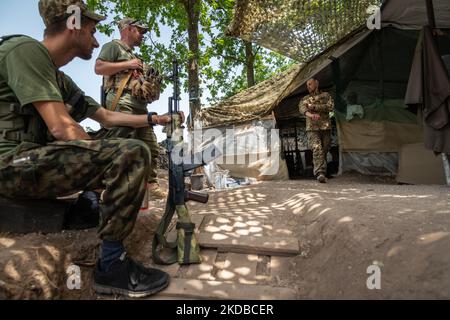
point(299, 29)
point(253, 103)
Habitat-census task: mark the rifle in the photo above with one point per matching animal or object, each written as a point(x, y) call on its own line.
point(185, 250)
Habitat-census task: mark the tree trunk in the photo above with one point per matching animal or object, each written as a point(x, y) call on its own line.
point(249, 64)
point(193, 13)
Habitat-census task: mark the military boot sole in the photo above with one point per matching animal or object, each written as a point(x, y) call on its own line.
point(101, 289)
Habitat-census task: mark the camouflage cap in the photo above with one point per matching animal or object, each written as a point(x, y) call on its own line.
point(53, 11)
point(126, 22)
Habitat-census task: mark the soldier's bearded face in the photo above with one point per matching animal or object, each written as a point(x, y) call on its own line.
point(86, 41)
point(138, 36)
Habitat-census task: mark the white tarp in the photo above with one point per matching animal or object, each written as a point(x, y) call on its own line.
point(250, 150)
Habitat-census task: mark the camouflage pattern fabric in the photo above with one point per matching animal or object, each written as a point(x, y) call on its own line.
point(184, 219)
point(112, 83)
point(120, 167)
point(147, 135)
point(320, 103)
point(126, 22)
point(306, 31)
point(53, 11)
point(299, 29)
point(145, 85)
point(251, 104)
point(320, 143)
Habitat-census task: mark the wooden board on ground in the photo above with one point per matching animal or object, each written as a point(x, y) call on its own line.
point(203, 271)
point(239, 225)
point(273, 246)
point(240, 268)
point(198, 289)
point(279, 267)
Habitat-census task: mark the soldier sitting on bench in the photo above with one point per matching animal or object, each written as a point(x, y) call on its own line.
point(45, 153)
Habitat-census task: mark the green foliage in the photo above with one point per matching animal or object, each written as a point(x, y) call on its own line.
point(222, 61)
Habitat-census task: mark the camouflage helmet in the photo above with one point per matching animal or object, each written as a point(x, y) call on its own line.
point(126, 22)
point(53, 11)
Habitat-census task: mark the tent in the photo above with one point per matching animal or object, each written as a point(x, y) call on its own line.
point(367, 71)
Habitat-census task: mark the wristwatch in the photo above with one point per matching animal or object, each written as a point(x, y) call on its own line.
point(150, 119)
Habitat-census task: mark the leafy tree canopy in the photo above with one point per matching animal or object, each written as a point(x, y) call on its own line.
point(224, 63)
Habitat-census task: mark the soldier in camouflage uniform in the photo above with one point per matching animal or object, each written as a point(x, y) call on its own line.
point(45, 153)
point(115, 62)
point(317, 107)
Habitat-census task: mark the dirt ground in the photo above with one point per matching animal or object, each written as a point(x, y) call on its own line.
point(343, 227)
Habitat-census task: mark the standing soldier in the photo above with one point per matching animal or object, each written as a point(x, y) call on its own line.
point(317, 107)
point(45, 153)
point(124, 84)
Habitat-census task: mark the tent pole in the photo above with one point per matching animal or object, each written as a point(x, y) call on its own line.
point(431, 16)
point(446, 160)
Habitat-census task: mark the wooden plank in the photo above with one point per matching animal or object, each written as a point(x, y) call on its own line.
point(203, 271)
point(279, 267)
point(239, 225)
point(198, 289)
point(273, 246)
point(240, 268)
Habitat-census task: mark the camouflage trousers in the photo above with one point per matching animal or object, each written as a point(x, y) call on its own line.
point(320, 143)
point(147, 135)
point(119, 166)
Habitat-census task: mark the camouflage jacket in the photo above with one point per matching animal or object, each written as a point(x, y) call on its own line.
point(320, 103)
point(124, 53)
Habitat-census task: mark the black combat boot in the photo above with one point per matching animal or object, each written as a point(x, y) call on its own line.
point(129, 278)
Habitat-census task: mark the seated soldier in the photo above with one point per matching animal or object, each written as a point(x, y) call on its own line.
point(45, 153)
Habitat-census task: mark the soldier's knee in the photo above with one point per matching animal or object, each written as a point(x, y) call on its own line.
point(138, 149)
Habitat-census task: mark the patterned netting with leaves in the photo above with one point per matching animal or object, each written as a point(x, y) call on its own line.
point(299, 29)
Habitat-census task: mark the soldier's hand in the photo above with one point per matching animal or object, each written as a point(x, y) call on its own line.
point(313, 116)
point(135, 64)
point(183, 118)
point(164, 119)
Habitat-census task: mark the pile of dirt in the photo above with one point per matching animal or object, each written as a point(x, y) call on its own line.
point(34, 266)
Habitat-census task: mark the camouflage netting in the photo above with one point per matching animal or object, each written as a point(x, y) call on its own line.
point(253, 103)
point(299, 29)
point(259, 101)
